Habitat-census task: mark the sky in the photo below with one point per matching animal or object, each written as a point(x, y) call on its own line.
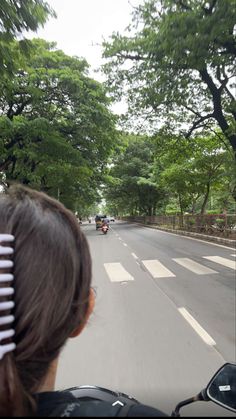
point(81, 25)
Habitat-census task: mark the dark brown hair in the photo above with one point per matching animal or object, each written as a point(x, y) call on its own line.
point(52, 279)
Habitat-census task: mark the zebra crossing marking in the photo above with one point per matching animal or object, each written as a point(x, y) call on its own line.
point(157, 269)
point(222, 261)
point(194, 267)
point(117, 273)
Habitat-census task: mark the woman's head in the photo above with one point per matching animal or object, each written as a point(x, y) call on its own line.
point(52, 279)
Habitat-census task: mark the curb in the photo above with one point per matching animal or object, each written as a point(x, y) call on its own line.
point(219, 240)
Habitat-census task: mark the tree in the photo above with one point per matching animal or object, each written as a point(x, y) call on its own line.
point(190, 170)
point(56, 87)
point(152, 174)
point(32, 152)
point(57, 130)
point(131, 187)
point(178, 64)
point(16, 17)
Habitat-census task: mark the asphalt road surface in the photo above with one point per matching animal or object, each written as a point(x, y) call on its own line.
point(164, 320)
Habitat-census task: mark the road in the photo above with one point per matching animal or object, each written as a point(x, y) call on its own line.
point(164, 320)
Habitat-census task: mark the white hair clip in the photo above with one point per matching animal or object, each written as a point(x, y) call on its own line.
point(5, 292)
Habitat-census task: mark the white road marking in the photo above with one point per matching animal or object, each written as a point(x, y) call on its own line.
point(233, 255)
point(117, 273)
point(222, 261)
point(120, 238)
point(125, 244)
point(134, 255)
point(196, 326)
point(156, 269)
point(194, 267)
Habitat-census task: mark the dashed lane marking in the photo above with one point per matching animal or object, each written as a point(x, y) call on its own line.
point(196, 326)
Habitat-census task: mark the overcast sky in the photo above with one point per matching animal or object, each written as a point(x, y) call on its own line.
point(81, 24)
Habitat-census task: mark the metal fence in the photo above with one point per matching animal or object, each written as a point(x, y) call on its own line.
point(223, 225)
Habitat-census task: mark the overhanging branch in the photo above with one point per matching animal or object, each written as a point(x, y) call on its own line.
point(209, 10)
point(130, 56)
point(183, 5)
point(197, 124)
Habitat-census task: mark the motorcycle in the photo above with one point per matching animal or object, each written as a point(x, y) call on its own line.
point(220, 390)
point(105, 228)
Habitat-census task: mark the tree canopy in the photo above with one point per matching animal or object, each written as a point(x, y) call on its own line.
point(190, 171)
point(152, 174)
point(131, 187)
point(57, 131)
point(176, 65)
point(17, 17)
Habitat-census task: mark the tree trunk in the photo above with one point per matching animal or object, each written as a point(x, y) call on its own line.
point(218, 109)
point(181, 220)
point(205, 199)
point(194, 203)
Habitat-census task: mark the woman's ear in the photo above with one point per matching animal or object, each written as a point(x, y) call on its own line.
point(91, 305)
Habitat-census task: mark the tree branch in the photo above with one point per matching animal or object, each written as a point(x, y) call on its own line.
point(209, 10)
point(18, 111)
point(183, 5)
point(130, 57)
point(221, 138)
point(230, 47)
point(216, 96)
point(222, 81)
point(206, 78)
point(198, 122)
point(192, 110)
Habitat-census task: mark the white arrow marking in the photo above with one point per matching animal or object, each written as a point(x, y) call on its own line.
point(118, 402)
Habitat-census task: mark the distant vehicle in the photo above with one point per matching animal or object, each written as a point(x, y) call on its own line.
point(98, 221)
point(104, 228)
point(112, 219)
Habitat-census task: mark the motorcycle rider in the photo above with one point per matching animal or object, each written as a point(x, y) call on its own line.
point(105, 222)
point(53, 299)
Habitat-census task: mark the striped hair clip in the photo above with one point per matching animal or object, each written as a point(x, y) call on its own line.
point(6, 292)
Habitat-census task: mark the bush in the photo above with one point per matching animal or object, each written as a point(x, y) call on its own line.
point(220, 221)
point(213, 212)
